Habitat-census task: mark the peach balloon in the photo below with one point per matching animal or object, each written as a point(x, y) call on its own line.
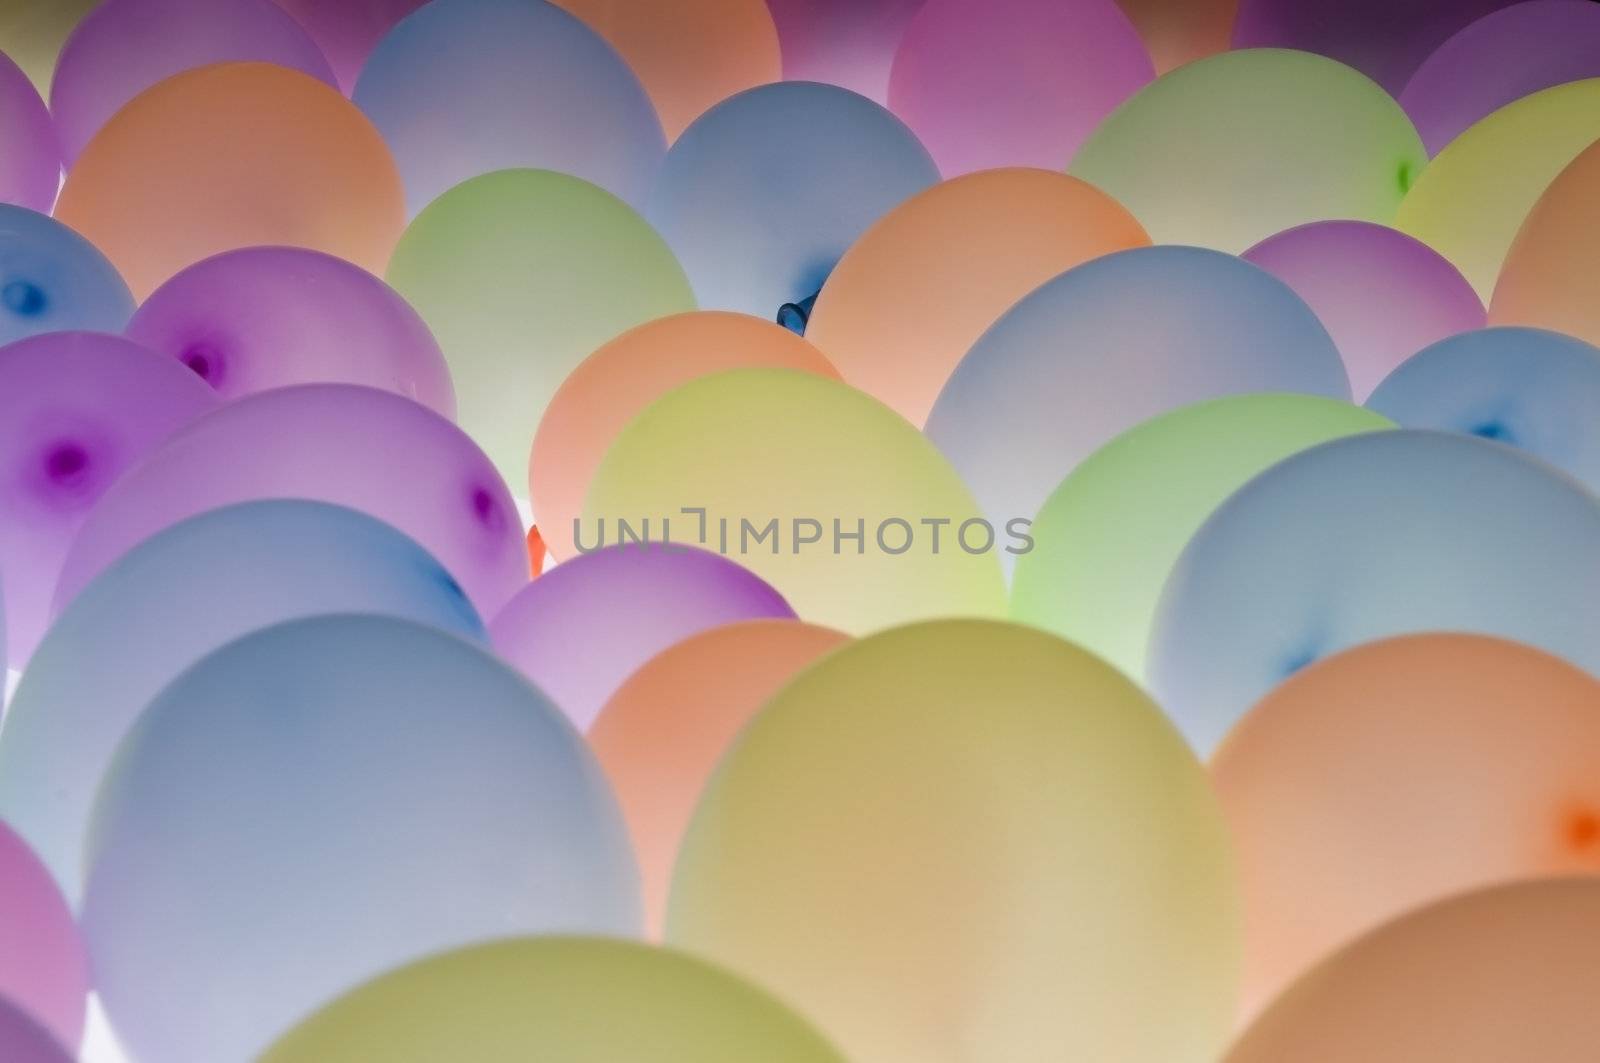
point(1181, 31)
point(625, 376)
point(1548, 276)
point(662, 733)
point(228, 156)
point(1400, 772)
point(914, 293)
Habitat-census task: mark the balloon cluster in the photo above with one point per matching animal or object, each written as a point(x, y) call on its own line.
point(799, 531)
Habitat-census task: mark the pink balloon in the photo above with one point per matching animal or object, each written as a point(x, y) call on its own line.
point(30, 154)
point(348, 30)
point(850, 43)
point(44, 970)
point(24, 1041)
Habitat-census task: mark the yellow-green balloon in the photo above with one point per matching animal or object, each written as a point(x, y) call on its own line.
point(1107, 537)
point(821, 490)
point(555, 1000)
point(968, 841)
point(33, 31)
point(1225, 151)
point(521, 274)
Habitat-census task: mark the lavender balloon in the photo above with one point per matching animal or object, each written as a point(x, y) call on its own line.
point(53, 280)
point(43, 967)
point(850, 43)
point(22, 1040)
point(269, 317)
point(30, 154)
point(583, 627)
point(348, 31)
point(77, 409)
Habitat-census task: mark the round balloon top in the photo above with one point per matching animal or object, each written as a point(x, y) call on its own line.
point(30, 166)
point(44, 970)
point(53, 280)
point(850, 43)
point(1541, 282)
point(347, 32)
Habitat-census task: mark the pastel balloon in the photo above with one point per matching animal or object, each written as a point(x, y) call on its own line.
point(23, 1040)
point(578, 1000)
point(461, 88)
point(850, 43)
point(171, 600)
point(1180, 31)
point(1533, 389)
point(919, 288)
point(1541, 280)
point(370, 450)
point(521, 275)
point(33, 31)
point(267, 317)
point(1014, 82)
point(990, 808)
point(77, 410)
point(205, 162)
point(44, 971)
point(1112, 343)
point(1503, 973)
point(30, 165)
point(858, 527)
point(621, 379)
point(348, 31)
point(580, 629)
point(1379, 534)
point(1268, 139)
point(663, 731)
point(1106, 538)
point(758, 224)
point(53, 280)
point(1382, 295)
point(306, 797)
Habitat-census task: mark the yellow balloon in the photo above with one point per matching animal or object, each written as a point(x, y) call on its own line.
point(33, 31)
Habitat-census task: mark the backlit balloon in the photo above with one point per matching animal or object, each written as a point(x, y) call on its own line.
point(348, 31)
point(30, 165)
point(850, 43)
point(53, 280)
point(1541, 282)
point(44, 970)
point(23, 1040)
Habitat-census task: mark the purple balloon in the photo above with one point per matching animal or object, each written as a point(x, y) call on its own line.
point(24, 1041)
point(125, 46)
point(1382, 295)
point(582, 628)
point(30, 154)
point(76, 410)
point(359, 447)
point(348, 30)
point(44, 969)
point(271, 317)
point(850, 43)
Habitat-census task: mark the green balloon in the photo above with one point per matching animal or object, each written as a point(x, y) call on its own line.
point(33, 31)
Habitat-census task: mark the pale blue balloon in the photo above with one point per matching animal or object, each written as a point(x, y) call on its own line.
point(53, 280)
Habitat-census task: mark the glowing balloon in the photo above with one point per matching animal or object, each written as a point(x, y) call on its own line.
point(860, 526)
point(77, 410)
point(621, 379)
point(30, 165)
point(1533, 389)
point(53, 280)
point(171, 600)
point(850, 43)
point(1112, 343)
point(1541, 282)
point(579, 630)
point(207, 161)
point(1106, 539)
point(757, 222)
point(1382, 295)
point(1181, 31)
point(521, 275)
point(23, 1040)
point(267, 317)
point(331, 798)
point(44, 970)
point(348, 31)
point(33, 31)
point(1228, 150)
point(367, 449)
point(1385, 533)
point(971, 841)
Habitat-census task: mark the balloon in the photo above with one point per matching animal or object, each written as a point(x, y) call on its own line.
point(758, 223)
point(1228, 150)
point(850, 43)
point(1385, 533)
point(622, 378)
point(22, 1040)
point(266, 317)
point(348, 31)
point(1541, 282)
point(1013, 82)
point(168, 602)
point(521, 275)
point(211, 160)
point(1109, 534)
point(367, 449)
point(53, 280)
point(920, 287)
point(966, 840)
point(1470, 200)
point(860, 526)
point(1382, 295)
point(1505, 973)
point(1112, 343)
point(77, 410)
point(1181, 31)
point(461, 88)
point(330, 798)
point(663, 731)
point(44, 971)
point(577, 1000)
point(1533, 389)
point(578, 631)
point(30, 166)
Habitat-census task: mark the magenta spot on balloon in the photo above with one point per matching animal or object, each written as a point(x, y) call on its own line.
point(65, 463)
point(206, 361)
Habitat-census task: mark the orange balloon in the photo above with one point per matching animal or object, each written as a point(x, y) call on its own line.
point(665, 729)
point(1179, 31)
point(626, 375)
point(1547, 279)
point(1399, 772)
point(228, 156)
point(914, 293)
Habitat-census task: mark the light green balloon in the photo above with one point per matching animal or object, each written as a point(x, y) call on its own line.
point(521, 274)
point(33, 31)
point(555, 1000)
point(1108, 536)
point(1225, 151)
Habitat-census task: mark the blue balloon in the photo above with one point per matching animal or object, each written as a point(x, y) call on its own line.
point(1386, 533)
point(1525, 387)
point(763, 193)
point(53, 280)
